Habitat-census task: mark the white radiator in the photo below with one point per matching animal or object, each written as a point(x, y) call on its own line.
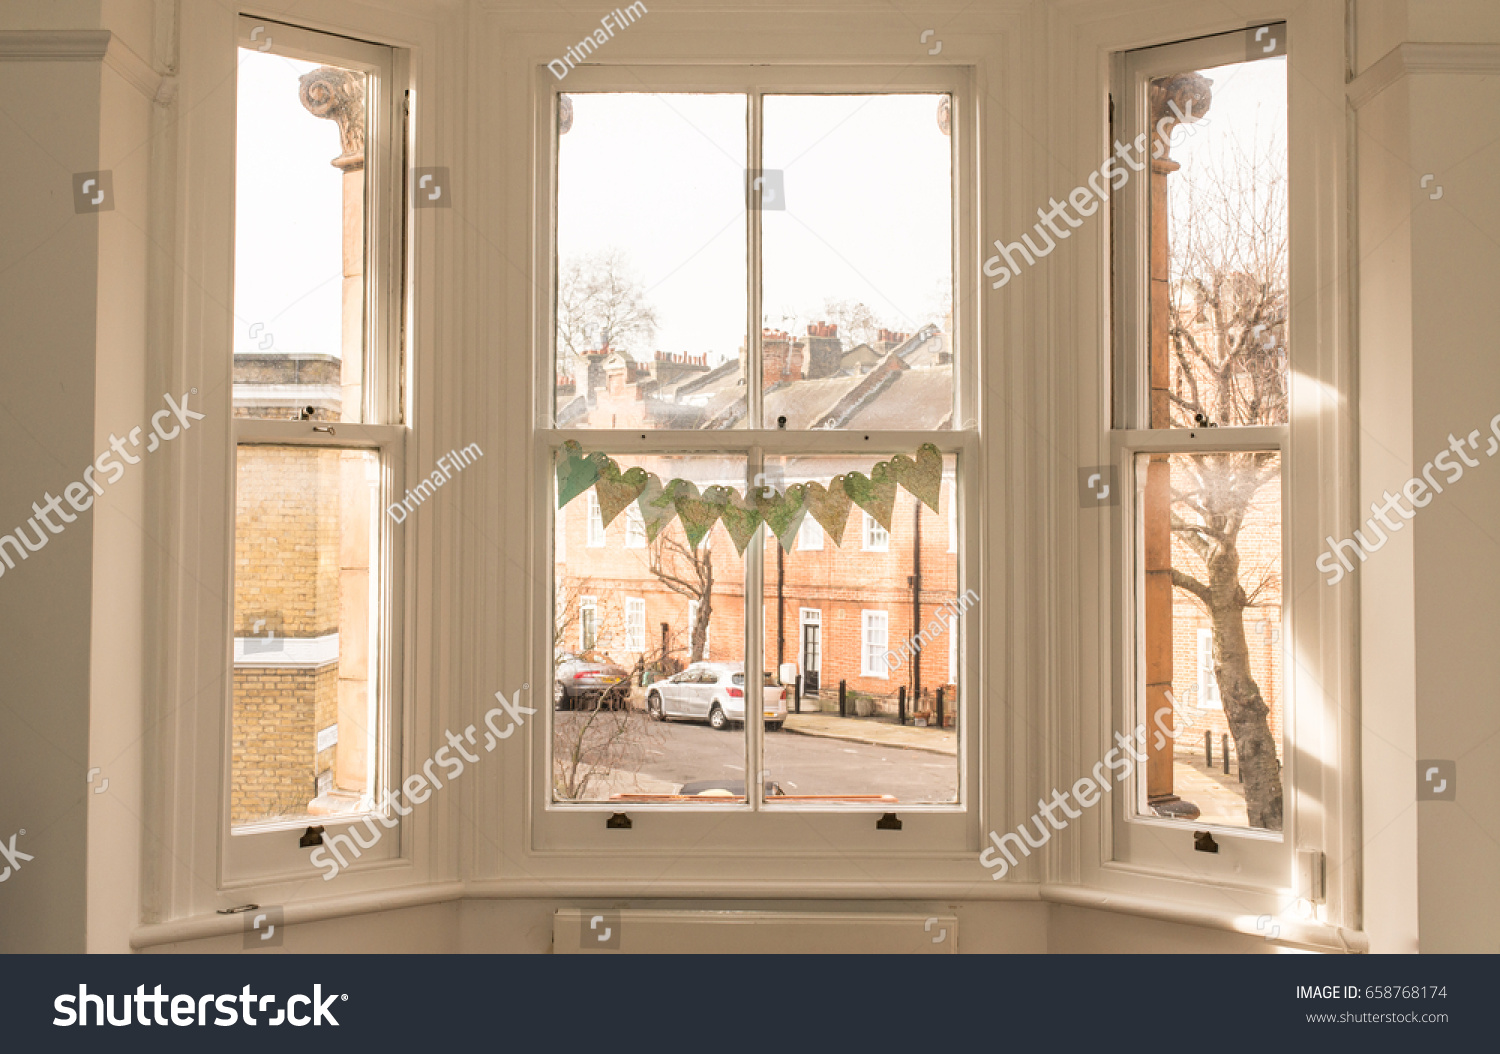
point(646, 931)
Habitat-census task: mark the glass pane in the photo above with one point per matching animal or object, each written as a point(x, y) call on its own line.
point(299, 251)
point(1218, 247)
point(304, 728)
point(872, 634)
point(651, 261)
point(858, 272)
point(648, 643)
point(1210, 610)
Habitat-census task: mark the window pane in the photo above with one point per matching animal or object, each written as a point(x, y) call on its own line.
point(858, 274)
point(299, 253)
point(651, 261)
point(304, 728)
point(874, 623)
point(1210, 611)
point(648, 641)
point(1218, 247)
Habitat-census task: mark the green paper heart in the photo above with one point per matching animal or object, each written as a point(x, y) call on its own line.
point(617, 490)
point(698, 513)
point(922, 477)
point(740, 517)
point(575, 472)
point(875, 493)
point(656, 505)
point(829, 506)
point(783, 513)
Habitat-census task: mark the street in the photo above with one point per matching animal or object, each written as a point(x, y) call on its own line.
point(679, 752)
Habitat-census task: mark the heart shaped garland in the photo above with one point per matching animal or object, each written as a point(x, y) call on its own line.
point(875, 493)
point(698, 513)
point(617, 489)
point(575, 472)
point(656, 506)
point(922, 477)
point(783, 513)
point(830, 507)
point(740, 517)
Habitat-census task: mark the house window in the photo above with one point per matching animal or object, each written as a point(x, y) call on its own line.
point(1208, 688)
point(319, 508)
point(596, 522)
point(809, 535)
point(874, 643)
point(1203, 352)
point(588, 623)
point(635, 527)
point(635, 624)
point(810, 372)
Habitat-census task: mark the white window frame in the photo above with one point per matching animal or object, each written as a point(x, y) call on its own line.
point(873, 537)
point(951, 485)
point(948, 828)
point(595, 522)
point(1208, 685)
point(809, 535)
point(872, 622)
point(1254, 872)
point(590, 605)
point(635, 624)
point(635, 527)
point(257, 852)
point(952, 649)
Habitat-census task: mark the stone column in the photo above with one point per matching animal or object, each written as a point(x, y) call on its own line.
point(1191, 92)
point(339, 96)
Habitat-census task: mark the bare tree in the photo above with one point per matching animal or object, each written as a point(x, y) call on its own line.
point(690, 572)
point(599, 748)
point(600, 300)
point(1226, 331)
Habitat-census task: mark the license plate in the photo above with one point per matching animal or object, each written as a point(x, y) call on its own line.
point(611, 680)
point(770, 713)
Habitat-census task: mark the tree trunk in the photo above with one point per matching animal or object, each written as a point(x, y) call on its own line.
point(705, 610)
point(1244, 708)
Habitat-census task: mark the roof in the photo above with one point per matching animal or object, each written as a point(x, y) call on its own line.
point(911, 399)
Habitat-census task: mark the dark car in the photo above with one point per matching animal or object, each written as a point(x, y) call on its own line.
point(590, 680)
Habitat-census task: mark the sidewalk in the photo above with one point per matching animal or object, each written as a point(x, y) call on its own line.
point(875, 733)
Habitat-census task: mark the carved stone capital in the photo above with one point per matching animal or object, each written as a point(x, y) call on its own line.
point(339, 95)
point(1182, 97)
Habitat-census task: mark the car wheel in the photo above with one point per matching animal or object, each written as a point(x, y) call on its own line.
point(559, 696)
point(653, 707)
point(774, 726)
point(717, 719)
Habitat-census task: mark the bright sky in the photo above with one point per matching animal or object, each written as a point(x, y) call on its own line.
point(867, 217)
point(866, 188)
point(288, 252)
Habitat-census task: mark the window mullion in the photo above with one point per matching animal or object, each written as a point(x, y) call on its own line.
point(753, 154)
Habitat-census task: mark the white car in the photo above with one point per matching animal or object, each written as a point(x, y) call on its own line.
point(713, 692)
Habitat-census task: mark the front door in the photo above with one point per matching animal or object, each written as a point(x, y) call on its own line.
point(812, 651)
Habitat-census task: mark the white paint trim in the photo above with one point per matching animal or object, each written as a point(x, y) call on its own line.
point(54, 45)
point(84, 45)
point(1412, 58)
point(289, 652)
